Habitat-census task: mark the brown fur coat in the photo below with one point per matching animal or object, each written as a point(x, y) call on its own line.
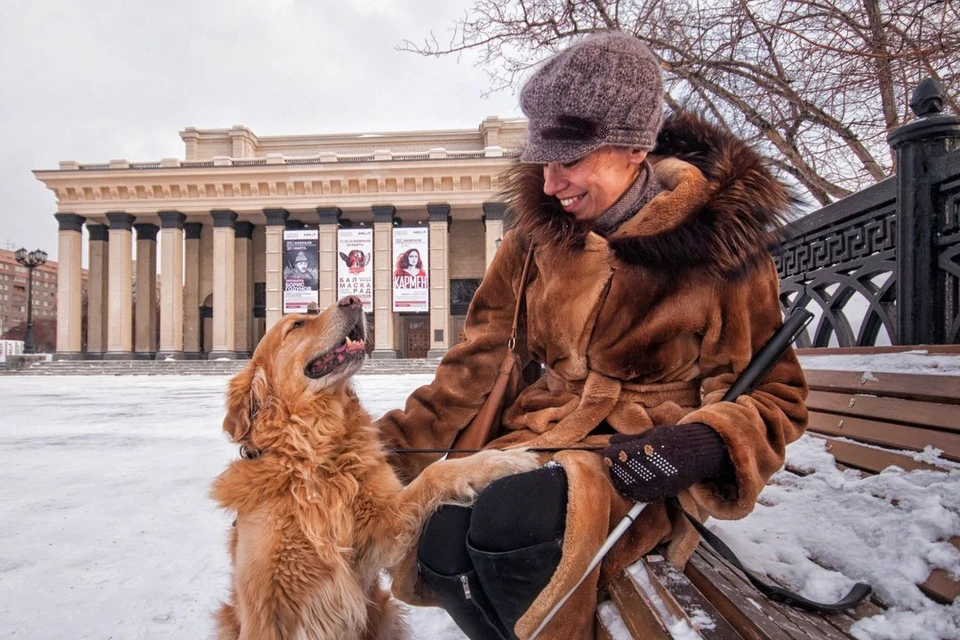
point(645, 327)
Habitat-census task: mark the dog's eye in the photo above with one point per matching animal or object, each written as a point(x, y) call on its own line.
point(296, 325)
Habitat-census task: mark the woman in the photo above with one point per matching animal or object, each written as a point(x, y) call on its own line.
point(409, 267)
point(650, 290)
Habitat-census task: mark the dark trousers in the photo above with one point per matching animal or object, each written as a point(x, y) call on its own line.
point(488, 562)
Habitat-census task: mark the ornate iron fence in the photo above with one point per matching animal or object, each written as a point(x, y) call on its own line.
point(883, 266)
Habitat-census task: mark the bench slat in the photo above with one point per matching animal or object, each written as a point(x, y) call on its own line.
point(637, 611)
point(799, 623)
point(898, 385)
point(600, 629)
point(939, 585)
point(926, 414)
point(871, 460)
point(886, 434)
point(601, 632)
point(694, 606)
point(844, 621)
point(738, 601)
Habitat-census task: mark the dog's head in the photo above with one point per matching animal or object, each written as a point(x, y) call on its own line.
point(301, 356)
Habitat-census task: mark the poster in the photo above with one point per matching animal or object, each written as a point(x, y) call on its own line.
point(355, 265)
point(301, 255)
point(411, 284)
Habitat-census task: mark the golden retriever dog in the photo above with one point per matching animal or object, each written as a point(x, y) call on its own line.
point(320, 512)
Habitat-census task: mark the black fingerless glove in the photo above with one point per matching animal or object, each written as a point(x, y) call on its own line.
point(665, 460)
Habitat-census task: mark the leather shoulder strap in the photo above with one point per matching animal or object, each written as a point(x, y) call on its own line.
point(523, 286)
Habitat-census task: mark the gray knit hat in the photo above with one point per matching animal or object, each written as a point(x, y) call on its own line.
point(604, 90)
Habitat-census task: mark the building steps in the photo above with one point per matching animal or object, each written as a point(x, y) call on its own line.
point(195, 367)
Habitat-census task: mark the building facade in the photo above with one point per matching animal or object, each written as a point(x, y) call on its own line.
point(209, 230)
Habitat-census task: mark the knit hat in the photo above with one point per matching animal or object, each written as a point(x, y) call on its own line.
point(604, 90)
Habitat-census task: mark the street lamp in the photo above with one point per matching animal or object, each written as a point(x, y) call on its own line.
point(31, 261)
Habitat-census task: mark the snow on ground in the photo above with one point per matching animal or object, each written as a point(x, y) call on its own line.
point(107, 530)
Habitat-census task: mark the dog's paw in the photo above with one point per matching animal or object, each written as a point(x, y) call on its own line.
point(505, 463)
point(475, 472)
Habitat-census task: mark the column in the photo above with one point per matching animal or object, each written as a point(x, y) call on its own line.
point(243, 290)
point(493, 227)
point(171, 285)
point(145, 309)
point(192, 232)
point(329, 218)
point(439, 279)
point(69, 291)
point(120, 296)
point(97, 294)
point(224, 284)
point(276, 221)
point(383, 318)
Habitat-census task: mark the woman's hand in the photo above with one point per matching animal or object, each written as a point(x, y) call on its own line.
point(665, 460)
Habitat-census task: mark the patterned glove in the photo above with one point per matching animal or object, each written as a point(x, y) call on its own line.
point(663, 461)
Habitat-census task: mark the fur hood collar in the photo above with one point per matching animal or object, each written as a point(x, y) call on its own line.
point(719, 211)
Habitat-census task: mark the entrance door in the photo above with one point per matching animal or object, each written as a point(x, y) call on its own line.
point(417, 330)
point(458, 329)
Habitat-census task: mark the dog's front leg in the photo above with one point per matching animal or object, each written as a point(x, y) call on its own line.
point(228, 624)
point(459, 482)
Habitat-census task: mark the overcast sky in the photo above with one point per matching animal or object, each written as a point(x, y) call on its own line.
point(95, 80)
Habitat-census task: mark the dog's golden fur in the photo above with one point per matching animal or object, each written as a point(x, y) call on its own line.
point(320, 513)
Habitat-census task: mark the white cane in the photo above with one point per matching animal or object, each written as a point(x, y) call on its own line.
point(611, 540)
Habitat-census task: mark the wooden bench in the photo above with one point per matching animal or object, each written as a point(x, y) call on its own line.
point(869, 421)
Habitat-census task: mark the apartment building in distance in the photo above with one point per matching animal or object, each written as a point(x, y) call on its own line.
point(13, 293)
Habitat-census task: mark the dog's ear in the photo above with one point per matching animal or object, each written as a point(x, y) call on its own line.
point(245, 396)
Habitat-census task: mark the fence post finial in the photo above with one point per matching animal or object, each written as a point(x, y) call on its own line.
point(927, 98)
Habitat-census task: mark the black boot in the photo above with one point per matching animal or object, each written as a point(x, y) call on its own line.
point(446, 569)
point(516, 539)
point(513, 579)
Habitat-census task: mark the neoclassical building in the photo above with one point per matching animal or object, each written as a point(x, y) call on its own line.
point(202, 237)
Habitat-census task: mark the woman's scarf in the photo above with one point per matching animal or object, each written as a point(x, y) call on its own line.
point(642, 191)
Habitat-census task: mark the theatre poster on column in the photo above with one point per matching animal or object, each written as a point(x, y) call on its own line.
point(411, 282)
point(301, 256)
point(355, 265)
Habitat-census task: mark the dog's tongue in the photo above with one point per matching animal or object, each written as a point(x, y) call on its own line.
point(325, 364)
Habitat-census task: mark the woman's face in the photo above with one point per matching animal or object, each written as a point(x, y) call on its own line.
point(589, 185)
point(413, 259)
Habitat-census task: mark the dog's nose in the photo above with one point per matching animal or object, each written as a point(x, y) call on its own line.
point(350, 302)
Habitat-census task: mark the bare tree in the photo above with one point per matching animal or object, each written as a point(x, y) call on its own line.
point(817, 84)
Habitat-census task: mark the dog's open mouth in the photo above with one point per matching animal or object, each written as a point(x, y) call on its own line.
point(352, 349)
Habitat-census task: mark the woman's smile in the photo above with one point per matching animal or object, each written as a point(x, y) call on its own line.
point(566, 203)
point(588, 186)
